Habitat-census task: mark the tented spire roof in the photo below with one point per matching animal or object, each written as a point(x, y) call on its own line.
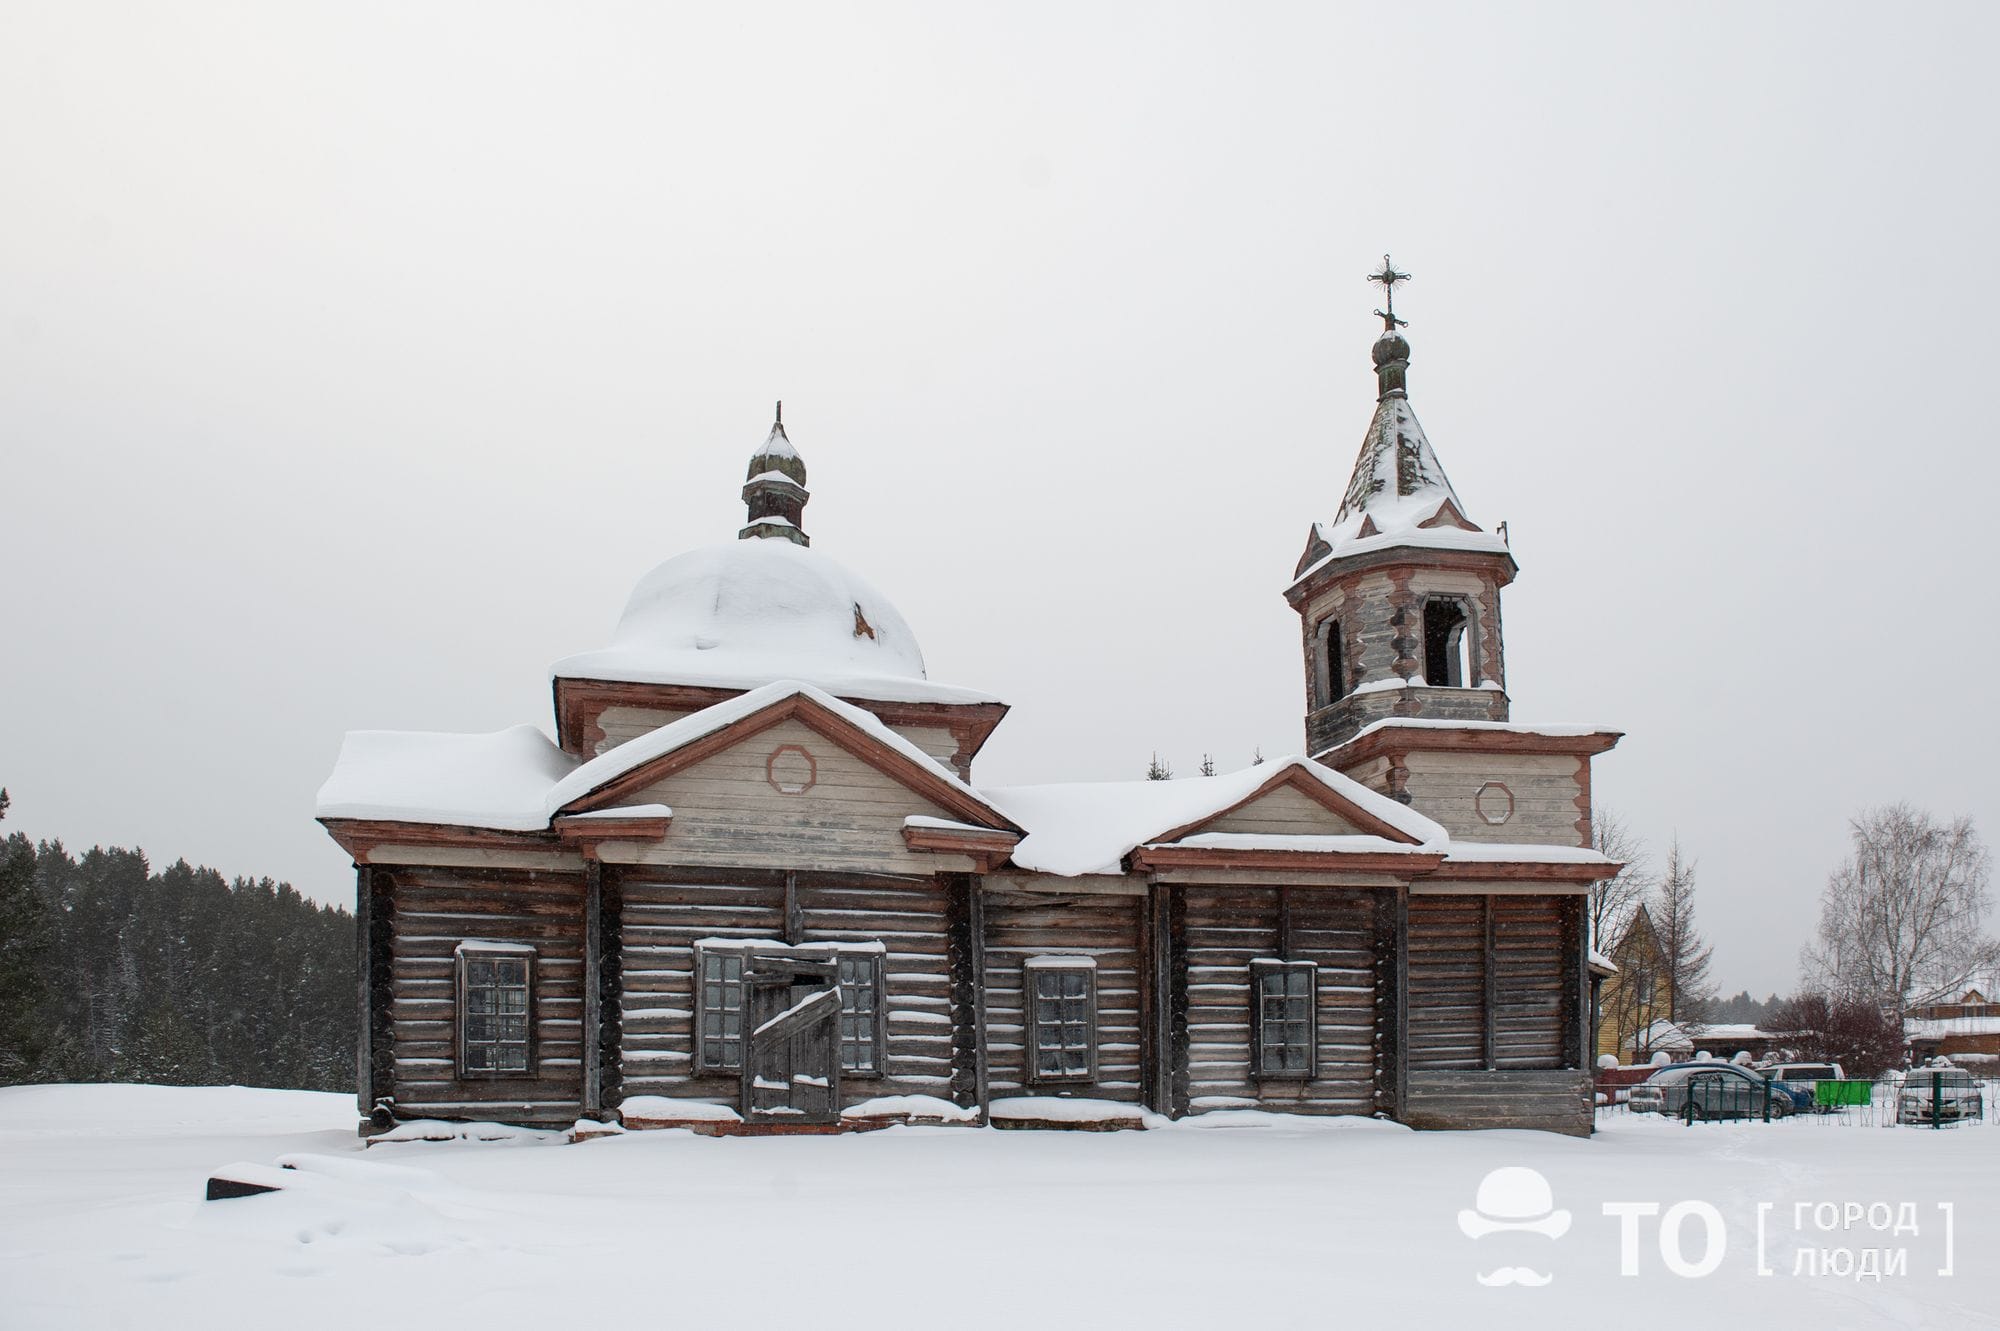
point(1397, 468)
point(1398, 494)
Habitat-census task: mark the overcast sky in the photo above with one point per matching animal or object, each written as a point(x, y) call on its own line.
point(355, 360)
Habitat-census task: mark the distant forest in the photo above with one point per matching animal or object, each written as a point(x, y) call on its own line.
point(111, 972)
point(1742, 1008)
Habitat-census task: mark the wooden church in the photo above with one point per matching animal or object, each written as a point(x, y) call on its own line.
point(754, 885)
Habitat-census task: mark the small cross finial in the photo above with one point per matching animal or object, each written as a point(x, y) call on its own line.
point(1388, 279)
point(781, 411)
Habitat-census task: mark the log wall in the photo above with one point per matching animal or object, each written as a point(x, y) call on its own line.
point(1553, 1100)
point(1020, 925)
point(1495, 1015)
point(662, 914)
point(1228, 927)
point(431, 911)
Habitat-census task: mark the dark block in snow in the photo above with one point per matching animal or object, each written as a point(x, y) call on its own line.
point(245, 1180)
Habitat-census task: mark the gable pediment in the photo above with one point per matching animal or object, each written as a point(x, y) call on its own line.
point(789, 756)
point(1292, 803)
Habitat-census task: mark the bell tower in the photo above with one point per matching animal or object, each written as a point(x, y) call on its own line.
point(1399, 596)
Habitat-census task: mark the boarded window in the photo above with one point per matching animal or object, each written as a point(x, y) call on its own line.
point(719, 1007)
point(1331, 678)
point(495, 989)
point(1062, 1019)
point(1283, 1029)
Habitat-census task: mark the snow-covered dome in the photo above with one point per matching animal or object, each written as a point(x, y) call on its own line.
point(748, 612)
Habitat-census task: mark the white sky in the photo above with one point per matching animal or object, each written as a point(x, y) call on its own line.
point(354, 363)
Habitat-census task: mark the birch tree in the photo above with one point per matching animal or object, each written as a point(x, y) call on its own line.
point(1902, 921)
point(1613, 901)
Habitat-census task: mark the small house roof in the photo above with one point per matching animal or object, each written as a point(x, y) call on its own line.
point(1089, 827)
point(518, 780)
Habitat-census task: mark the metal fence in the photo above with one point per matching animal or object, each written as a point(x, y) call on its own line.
point(1932, 1099)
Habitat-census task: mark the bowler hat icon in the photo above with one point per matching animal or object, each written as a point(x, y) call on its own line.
point(1514, 1199)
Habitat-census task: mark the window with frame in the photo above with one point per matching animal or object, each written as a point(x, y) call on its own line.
point(1284, 1027)
point(860, 1013)
point(719, 1007)
point(495, 1011)
point(1062, 1019)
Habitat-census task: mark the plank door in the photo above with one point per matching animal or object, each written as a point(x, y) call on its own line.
point(791, 1042)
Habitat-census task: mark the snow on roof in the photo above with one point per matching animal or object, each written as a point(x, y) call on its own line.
point(778, 445)
point(1937, 1028)
point(1353, 843)
point(1602, 962)
point(678, 734)
point(517, 780)
point(745, 613)
point(1487, 852)
point(924, 820)
point(628, 811)
point(1397, 485)
point(1089, 827)
point(1507, 727)
point(499, 780)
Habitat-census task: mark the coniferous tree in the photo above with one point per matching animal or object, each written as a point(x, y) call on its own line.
point(27, 935)
point(1684, 954)
point(1157, 770)
point(182, 977)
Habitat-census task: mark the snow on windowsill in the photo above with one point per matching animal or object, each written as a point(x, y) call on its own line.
point(779, 945)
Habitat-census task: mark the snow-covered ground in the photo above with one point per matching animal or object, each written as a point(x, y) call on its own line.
point(1234, 1220)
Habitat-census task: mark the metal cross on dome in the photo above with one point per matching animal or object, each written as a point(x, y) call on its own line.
point(1388, 279)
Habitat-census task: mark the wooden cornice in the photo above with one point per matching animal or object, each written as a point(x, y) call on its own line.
point(1351, 861)
point(892, 763)
point(1320, 793)
point(590, 833)
point(987, 847)
point(360, 836)
point(1393, 741)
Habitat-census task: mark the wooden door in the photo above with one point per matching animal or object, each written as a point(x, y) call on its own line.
point(791, 1040)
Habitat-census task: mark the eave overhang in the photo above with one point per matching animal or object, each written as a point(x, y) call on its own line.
point(1392, 740)
point(1414, 555)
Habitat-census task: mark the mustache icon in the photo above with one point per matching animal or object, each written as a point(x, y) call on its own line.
point(1513, 1275)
